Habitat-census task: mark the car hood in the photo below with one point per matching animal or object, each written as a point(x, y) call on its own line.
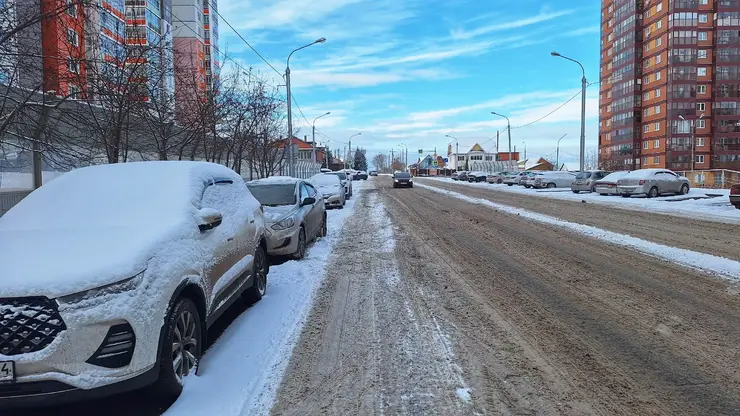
point(329, 189)
point(58, 262)
point(275, 214)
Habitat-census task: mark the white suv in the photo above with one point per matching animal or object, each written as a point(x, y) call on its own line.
point(110, 276)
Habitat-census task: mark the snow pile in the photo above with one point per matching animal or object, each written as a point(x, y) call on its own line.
point(729, 269)
point(276, 180)
point(241, 372)
point(696, 204)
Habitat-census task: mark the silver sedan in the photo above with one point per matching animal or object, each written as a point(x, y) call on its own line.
point(652, 183)
point(295, 214)
point(331, 189)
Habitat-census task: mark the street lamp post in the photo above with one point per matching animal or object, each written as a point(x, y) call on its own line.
point(584, 85)
point(557, 152)
point(291, 157)
point(508, 128)
point(457, 151)
point(525, 150)
point(350, 148)
point(313, 136)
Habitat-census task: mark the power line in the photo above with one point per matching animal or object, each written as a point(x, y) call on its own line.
point(553, 111)
point(307, 124)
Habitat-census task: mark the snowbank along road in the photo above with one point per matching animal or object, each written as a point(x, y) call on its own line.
point(482, 312)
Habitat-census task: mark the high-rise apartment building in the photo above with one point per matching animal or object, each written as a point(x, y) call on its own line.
point(670, 84)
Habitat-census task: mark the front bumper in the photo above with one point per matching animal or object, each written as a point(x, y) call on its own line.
point(735, 200)
point(631, 190)
point(399, 184)
point(284, 242)
point(333, 201)
point(83, 360)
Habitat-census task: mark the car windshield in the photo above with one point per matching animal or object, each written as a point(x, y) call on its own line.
point(341, 175)
point(325, 180)
point(273, 195)
point(583, 175)
point(402, 175)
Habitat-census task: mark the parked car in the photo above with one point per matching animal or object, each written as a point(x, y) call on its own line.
point(555, 179)
point(331, 189)
point(361, 174)
point(131, 263)
point(457, 176)
point(513, 178)
point(497, 177)
point(463, 176)
point(325, 170)
point(527, 176)
point(295, 214)
point(652, 182)
point(373, 173)
point(402, 179)
point(346, 182)
point(586, 181)
point(608, 184)
point(735, 195)
point(477, 176)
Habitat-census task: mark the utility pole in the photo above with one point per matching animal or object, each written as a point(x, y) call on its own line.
point(497, 133)
point(36, 157)
point(557, 153)
point(584, 85)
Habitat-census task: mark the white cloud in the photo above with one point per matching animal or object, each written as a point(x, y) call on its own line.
point(539, 18)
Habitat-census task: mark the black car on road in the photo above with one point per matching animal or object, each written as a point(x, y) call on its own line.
point(476, 176)
point(402, 179)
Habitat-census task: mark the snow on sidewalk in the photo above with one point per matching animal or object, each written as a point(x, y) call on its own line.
point(721, 266)
point(711, 209)
point(241, 372)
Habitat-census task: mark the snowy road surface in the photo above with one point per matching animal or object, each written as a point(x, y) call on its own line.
point(445, 302)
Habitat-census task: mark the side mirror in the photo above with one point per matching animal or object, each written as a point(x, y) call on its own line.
point(208, 219)
point(308, 201)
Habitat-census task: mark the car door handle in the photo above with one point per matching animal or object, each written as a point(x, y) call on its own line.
point(251, 221)
point(230, 239)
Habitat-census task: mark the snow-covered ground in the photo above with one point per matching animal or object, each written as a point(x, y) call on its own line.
point(240, 373)
point(19, 180)
point(720, 266)
point(713, 209)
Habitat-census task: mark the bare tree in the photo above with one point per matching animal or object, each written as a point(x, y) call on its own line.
point(380, 161)
point(591, 159)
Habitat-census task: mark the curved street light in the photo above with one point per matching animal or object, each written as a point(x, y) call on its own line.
point(557, 152)
point(313, 137)
point(508, 129)
point(351, 159)
point(291, 157)
point(584, 84)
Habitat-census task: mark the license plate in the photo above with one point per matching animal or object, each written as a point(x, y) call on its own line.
point(7, 371)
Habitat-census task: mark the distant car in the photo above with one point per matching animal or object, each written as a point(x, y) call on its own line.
point(361, 174)
point(553, 179)
point(402, 179)
point(497, 177)
point(331, 188)
point(457, 175)
point(529, 180)
point(463, 176)
point(139, 259)
point(373, 173)
point(295, 214)
point(652, 183)
point(586, 181)
point(513, 178)
point(477, 176)
point(735, 195)
point(346, 182)
point(608, 184)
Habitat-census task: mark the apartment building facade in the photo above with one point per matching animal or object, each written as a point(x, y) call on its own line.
point(670, 84)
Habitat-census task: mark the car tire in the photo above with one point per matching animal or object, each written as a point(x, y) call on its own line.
point(603, 194)
point(684, 189)
point(499, 181)
point(626, 196)
point(510, 184)
point(551, 185)
point(300, 251)
point(653, 192)
point(323, 230)
point(411, 186)
point(260, 270)
point(182, 318)
point(575, 192)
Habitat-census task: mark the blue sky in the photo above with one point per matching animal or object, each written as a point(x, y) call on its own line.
point(412, 71)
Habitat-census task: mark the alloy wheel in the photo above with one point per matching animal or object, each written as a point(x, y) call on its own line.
point(260, 278)
point(184, 345)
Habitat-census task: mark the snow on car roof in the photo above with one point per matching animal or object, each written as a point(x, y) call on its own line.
point(614, 176)
point(273, 180)
point(325, 179)
point(642, 172)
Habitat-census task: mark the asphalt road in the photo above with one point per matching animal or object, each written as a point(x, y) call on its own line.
point(531, 318)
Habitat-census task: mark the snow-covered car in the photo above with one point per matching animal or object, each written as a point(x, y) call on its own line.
point(373, 173)
point(295, 214)
point(608, 184)
point(324, 170)
point(361, 175)
point(513, 178)
point(497, 177)
point(586, 181)
point(346, 182)
point(330, 187)
point(529, 180)
point(112, 274)
point(652, 183)
point(457, 175)
point(553, 179)
point(735, 195)
point(477, 176)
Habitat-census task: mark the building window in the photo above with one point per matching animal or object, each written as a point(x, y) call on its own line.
point(701, 89)
point(659, 24)
point(73, 92)
point(701, 106)
point(657, 76)
point(700, 141)
point(658, 42)
point(657, 92)
point(704, 2)
point(645, 145)
point(702, 54)
point(73, 37)
point(699, 158)
point(702, 35)
point(658, 59)
point(646, 112)
point(71, 8)
point(656, 144)
point(700, 124)
point(702, 72)
point(646, 128)
point(73, 65)
point(702, 18)
point(656, 126)
point(656, 159)
point(644, 161)
point(657, 109)
point(646, 96)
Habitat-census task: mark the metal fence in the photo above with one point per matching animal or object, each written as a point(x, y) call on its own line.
point(303, 169)
point(495, 166)
point(11, 197)
point(712, 178)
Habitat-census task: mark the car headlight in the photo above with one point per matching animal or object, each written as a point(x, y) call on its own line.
point(81, 298)
point(395, 180)
point(284, 224)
